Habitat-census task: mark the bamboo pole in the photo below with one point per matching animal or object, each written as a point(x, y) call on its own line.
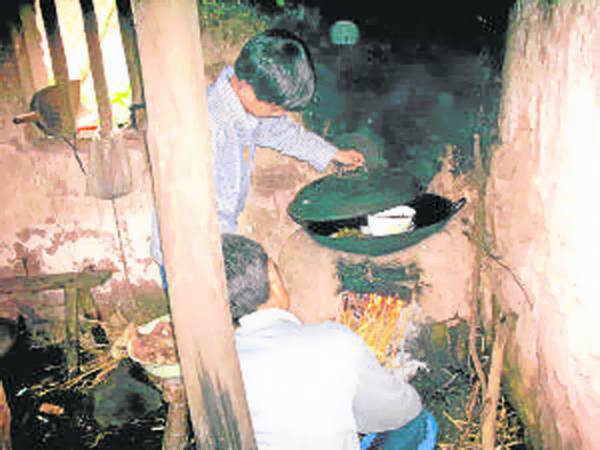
point(503, 330)
point(23, 66)
point(33, 45)
point(90, 25)
point(478, 235)
point(132, 58)
point(25, 76)
point(182, 164)
point(59, 64)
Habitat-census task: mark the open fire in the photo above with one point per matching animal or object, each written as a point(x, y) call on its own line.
point(381, 320)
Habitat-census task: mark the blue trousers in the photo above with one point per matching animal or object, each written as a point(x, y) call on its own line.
point(418, 434)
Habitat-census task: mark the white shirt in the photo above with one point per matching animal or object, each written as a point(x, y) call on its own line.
point(312, 387)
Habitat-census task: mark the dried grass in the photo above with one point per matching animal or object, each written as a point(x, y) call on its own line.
point(508, 430)
point(100, 361)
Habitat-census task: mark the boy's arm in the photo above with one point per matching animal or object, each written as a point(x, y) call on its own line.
point(292, 139)
point(382, 402)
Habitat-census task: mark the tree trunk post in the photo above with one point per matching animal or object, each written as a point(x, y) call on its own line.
point(182, 164)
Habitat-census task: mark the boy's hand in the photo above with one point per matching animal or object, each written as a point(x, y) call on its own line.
point(351, 158)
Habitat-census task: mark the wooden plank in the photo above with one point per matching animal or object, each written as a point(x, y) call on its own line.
point(78, 280)
point(92, 38)
point(59, 64)
point(33, 45)
point(174, 88)
point(72, 329)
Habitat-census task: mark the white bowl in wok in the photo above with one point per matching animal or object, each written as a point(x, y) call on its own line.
point(396, 220)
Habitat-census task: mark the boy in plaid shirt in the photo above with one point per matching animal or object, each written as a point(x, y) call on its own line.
point(247, 104)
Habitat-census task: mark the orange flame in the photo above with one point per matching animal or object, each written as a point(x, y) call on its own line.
point(379, 320)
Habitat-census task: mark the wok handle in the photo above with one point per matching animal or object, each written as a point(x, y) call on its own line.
point(27, 118)
point(457, 205)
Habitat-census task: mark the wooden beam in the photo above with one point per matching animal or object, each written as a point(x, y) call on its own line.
point(182, 164)
point(78, 280)
point(90, 25)
point(33, 45)
point(59, 62)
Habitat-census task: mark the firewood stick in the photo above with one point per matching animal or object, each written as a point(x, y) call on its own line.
point(478, 231)
point(492, 394)
point(472, 400)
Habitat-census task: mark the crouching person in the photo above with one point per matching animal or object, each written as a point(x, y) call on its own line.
point(313, 386)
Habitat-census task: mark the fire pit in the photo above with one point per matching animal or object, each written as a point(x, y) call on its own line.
point(336, 211)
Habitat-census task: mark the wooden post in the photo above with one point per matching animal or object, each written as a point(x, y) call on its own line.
point(33, 45)
point(176, 431)
point(59, 63)
point(72, 329)
point(90, 26)
point(182, 164)
point(87, 304)
point(130, 47)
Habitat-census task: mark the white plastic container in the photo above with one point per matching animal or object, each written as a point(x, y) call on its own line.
point(396, 220)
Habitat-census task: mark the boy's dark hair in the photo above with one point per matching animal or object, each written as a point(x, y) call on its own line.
point(277, 64)
point(246, 270)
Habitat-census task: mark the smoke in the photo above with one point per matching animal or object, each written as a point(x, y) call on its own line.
point(417, 97)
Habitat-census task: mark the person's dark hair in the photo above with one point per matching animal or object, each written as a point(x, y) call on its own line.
point(246, 270)
point(277, 64)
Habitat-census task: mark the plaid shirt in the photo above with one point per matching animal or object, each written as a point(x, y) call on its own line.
point(235, 135)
